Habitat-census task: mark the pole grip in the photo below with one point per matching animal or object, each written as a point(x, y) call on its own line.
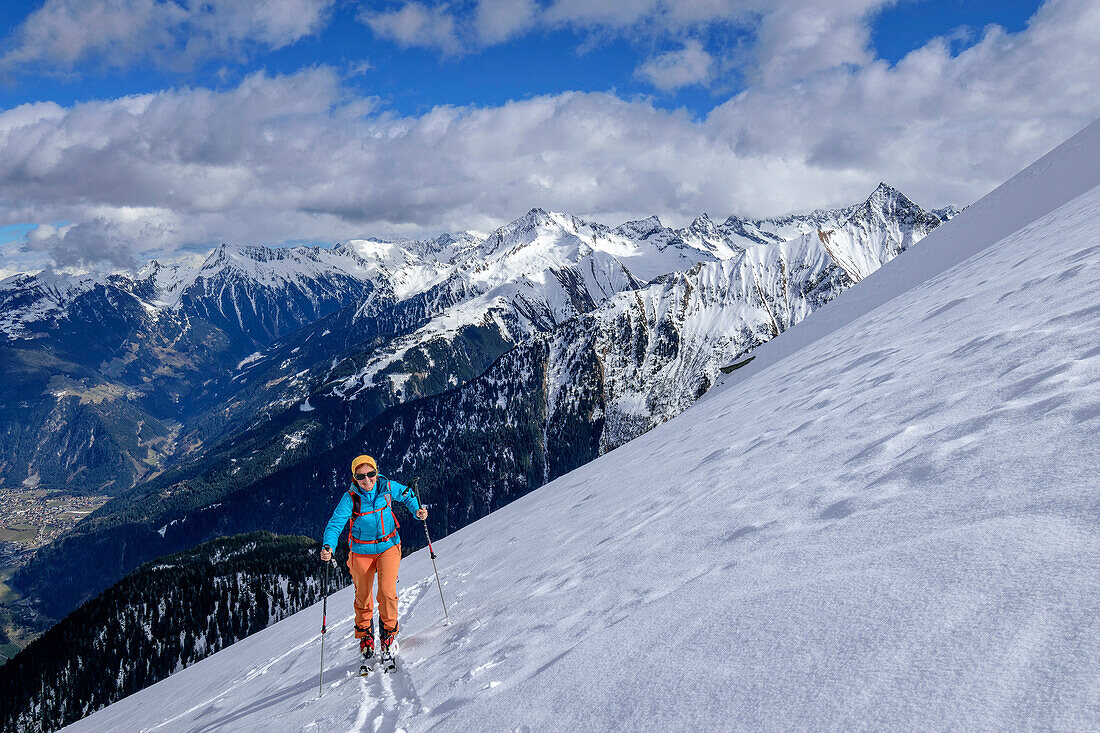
point(431, 550)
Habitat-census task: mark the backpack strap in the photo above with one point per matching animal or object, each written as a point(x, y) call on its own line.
point(356, 512)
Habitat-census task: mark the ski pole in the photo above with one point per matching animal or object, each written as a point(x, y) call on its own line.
point(432, 553)
point(324, 624)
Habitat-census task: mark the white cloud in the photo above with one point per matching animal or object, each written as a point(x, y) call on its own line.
point(952, 125)
point(497, 21)
point(789, 39)
point(296, 157)
point(610, 13)
point(675, 69)
point(795, 40)
point(121, 33)
point(415, 24)
point(452, 32)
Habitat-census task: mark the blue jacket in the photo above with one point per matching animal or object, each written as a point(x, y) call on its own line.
point(375, 530)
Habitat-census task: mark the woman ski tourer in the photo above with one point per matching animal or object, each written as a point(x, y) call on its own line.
point(375, 548)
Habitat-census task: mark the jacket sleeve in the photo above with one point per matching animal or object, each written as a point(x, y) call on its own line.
point(339, 520)
point(405, 495)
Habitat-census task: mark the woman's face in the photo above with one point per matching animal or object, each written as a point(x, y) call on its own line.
point(366, 483)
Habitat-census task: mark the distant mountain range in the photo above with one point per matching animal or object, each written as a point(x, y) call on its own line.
point(224, 398)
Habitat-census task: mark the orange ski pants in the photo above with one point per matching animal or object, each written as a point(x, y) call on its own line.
point(363, 569)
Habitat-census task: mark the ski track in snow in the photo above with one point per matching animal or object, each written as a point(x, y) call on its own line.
point(895, 527)
point(389, 697)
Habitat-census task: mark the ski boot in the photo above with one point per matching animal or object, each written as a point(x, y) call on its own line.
point(388, 640)
point(366, 648)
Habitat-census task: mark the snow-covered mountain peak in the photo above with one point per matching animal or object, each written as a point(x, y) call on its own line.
point(149, 269)
point(527, 227)
point(704, 234)
point(408, 266)
point(52, 283)
point(888, 204)
point(947, 213)
point(884, 191)
point(278, 266)
point(703, 223)
point(158, 285)
point(250, 258)
point(885, 205)
point(29, 298)
point(386, 253)
point(640, 229)
point(220, 256)
point(531, 244)
point(536, 215)
point(750, 232)
point(447, 247)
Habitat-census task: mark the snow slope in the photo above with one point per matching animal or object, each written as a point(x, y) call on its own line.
point(895, 526)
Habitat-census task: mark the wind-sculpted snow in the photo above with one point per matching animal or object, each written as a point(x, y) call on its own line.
point(891, 528)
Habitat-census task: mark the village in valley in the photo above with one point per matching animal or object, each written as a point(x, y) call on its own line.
point(31, 518)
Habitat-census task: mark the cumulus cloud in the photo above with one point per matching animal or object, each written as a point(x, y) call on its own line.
point(415, 24)
point(170, 33)
point(675, 69)
point(450, 31)
point(497, 21)
point(968, 121)
point(612, 13)
point(285, 158)
point(798, 39)
point(790, 39)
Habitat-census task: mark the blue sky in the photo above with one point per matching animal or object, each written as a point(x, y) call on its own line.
point(137, 127)
point(412, 80)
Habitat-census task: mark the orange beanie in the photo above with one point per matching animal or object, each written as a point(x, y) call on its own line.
point(362, 460)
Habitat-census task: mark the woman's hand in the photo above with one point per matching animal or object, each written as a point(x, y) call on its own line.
point(326, 553)
point(421, 513)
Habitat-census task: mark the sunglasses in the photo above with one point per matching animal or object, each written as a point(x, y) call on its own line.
point(361, 476)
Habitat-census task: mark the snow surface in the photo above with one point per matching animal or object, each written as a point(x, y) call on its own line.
point(895, 526)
